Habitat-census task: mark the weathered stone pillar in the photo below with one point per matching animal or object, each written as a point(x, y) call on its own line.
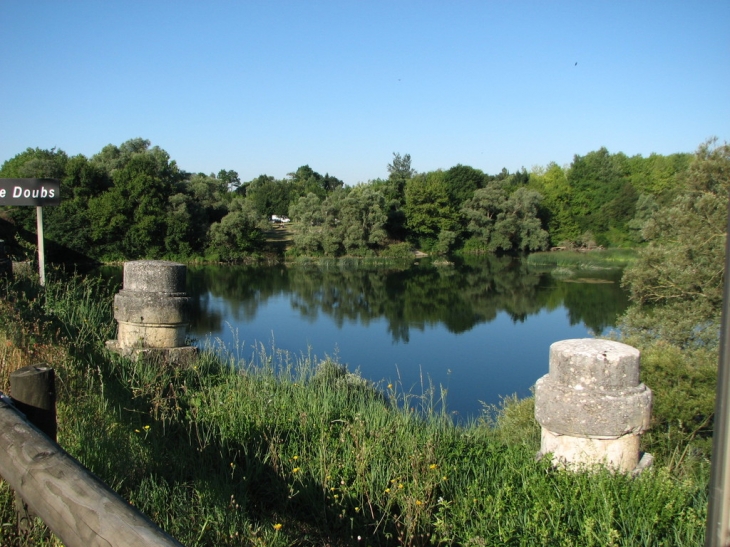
point(152, 311)
point(591, 406)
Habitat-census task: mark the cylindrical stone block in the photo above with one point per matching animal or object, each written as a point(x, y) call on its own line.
point(152, 308)
point(590, 363)
point(620, 454)
point(131, 335)
point(151, 276)
point(591, 405)
point(589, 413)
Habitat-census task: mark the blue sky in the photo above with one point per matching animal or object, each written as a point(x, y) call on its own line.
point(268, 86)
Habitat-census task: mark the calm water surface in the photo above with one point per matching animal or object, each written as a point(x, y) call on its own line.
point(481, 329)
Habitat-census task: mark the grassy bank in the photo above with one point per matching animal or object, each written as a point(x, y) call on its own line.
point(567, 263)
point(254, 446)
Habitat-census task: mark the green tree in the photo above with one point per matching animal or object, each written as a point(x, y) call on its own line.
point(269, 195)
point(597, 179)
point(130, 219)
point(399, 173)
point(657, 175)
point(552, 183)
point(211, 194)
point(483, 210)
point(519, 223)
point(238, 233)
point(66, 226)
point(310, 219)
point(305, 180)
point(677, 282)
point(187, 226)
point(113, 157)
point(346, 221)
point(428, 209)
point(506, 222)
point(230, 178)
point(400, 169)
point(646, 207)
point(461, 183)
point(363, 219)
point(36, 163)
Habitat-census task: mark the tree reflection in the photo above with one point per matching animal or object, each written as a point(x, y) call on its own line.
point(407, 295)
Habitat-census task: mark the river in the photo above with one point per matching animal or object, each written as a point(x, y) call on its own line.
point(476, 330)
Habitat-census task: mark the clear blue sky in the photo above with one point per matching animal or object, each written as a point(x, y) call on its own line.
point(268, 86)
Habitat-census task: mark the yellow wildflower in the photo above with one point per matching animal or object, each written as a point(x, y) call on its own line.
point(278, 526)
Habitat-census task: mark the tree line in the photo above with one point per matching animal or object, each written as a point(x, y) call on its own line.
point(133, 201)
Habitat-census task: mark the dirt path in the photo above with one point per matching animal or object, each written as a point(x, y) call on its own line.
point(280, 237)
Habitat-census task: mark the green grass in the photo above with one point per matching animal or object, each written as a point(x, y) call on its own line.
point(254, 446)
point(570, 261)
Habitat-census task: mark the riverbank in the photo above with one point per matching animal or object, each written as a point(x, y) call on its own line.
point(576, 260)
point(284, 450)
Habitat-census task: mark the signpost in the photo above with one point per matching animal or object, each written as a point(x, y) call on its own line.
point(32, 192)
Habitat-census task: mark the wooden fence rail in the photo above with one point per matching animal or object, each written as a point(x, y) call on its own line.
point(75, 504)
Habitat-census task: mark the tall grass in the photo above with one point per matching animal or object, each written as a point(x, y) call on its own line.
point(254, 446)
point(575, 260)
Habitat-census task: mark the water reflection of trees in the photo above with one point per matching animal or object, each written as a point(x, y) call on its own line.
point(406, 296)
point(597, 307)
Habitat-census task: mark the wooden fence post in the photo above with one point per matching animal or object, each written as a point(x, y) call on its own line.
point(33, 392)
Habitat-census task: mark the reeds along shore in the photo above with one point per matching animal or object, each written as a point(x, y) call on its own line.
point(254, 446)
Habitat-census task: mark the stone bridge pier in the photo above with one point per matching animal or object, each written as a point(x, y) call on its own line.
point(152, 312)
point(592, 407)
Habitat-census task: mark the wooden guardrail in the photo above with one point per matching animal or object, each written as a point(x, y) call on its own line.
point(75, 504)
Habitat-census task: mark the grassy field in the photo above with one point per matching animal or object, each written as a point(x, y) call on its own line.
point(278, 449)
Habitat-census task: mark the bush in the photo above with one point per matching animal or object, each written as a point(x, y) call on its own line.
point(397, 250)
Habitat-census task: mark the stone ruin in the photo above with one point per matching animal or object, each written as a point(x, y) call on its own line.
point(592, 407)
point(152, 312)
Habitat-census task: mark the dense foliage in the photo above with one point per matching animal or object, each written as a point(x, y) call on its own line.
point(677, 282)
point(132, 201)
point(676, 287)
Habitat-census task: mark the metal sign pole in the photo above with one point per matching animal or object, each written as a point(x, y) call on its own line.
point(41, 248)
point(717, 532)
